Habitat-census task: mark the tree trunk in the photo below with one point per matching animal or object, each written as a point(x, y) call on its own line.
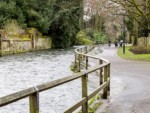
point(130, 38)
point(136, 33)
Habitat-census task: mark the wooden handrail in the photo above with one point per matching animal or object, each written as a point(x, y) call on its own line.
point(33, 92)
point(104, 79)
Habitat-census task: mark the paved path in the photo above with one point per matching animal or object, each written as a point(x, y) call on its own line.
point(130, 84)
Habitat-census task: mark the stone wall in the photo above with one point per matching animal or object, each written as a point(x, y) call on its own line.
point(144, 41)
point(15, 46)
point(42, 43)
point(26, 43)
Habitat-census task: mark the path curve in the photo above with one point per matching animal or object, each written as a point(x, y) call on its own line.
point(130, 84)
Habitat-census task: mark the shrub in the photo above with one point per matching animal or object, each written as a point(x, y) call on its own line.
point(83, 39)
point(90, 33)
point(12, 27)
point(140, 49)
point(99, 37)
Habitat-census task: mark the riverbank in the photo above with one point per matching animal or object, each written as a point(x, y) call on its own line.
point(30, 40)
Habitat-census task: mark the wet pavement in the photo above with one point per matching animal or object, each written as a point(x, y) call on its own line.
point(130, 84)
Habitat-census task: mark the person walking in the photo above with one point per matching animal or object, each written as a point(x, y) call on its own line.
point(116, 43)
point(109, 43)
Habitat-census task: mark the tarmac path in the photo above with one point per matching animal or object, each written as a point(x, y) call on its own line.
point(130, 84)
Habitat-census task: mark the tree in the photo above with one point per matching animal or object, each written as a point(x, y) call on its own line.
point(65, 23)
point(139, 10)
point(39, 14)
point(101, 18)
point(10, 10)
point(28, 13)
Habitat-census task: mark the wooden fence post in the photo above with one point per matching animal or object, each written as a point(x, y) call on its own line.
point(33, 41)
point(84, 93)
point(79, 61)
point(0, 44)
point(101, 73)
point(105, 80)
point(34, 102)
point(109, 78)
point(75, 63)
point(86, 49)
point(86, 62)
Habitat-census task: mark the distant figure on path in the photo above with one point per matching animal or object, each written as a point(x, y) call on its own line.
point(116, 43)
point(109, 43)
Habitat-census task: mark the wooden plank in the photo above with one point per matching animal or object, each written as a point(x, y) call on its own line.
point(34, 102)
point(93, 69)
point(101, 73)
point(74, 107)
point(109, 77)
point(79, 64)
point(75, 59)
point(55, 83)
point(97, 90)
point(91, 56)
point(84, 93)
point(86, 63)
point(16, 96)
point(105, 80)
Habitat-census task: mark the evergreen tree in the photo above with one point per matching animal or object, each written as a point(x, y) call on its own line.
point(65, 24)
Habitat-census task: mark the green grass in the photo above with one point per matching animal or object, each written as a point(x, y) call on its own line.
point(130, 56)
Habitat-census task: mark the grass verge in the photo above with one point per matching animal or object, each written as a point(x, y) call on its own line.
point(130, 56)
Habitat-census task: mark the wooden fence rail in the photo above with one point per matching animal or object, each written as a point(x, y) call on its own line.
point(33, 92)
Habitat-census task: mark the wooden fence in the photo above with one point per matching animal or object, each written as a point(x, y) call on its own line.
point(33, 92)
point(144, 41)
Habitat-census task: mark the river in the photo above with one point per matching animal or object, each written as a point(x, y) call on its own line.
point(21, 71)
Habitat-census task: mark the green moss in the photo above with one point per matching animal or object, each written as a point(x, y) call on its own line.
point(91, 100)
point(31, 30)
point(93, 106)
point(73, 68)
point(25, 37)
